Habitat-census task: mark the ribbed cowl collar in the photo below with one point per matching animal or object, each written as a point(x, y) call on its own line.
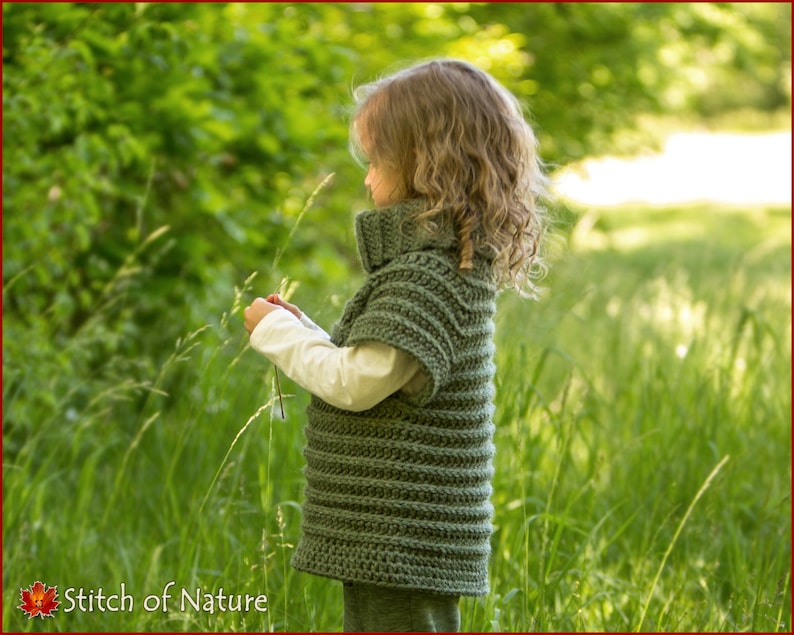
point(382, 234)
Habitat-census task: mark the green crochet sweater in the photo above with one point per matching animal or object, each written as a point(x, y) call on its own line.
point(398, 495)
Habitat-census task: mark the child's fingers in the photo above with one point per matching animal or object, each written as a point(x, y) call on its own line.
point(275, 298)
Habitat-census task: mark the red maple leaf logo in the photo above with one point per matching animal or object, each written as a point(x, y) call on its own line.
point(39, 600)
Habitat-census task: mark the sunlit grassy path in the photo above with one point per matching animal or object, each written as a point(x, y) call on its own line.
point(720, 167)
point(643, 462)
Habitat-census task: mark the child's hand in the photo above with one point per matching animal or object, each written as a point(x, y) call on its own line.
point(275, 298)
point(255, 311)
point(260, 307)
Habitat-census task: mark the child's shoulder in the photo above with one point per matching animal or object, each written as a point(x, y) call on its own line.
point(437, 270)
point(425, 261)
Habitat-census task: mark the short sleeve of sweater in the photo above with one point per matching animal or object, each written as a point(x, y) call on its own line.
point(413, 308)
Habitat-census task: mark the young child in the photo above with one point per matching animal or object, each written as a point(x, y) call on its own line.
point(399, 439)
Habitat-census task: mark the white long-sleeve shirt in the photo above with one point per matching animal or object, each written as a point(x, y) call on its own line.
point(350, 377)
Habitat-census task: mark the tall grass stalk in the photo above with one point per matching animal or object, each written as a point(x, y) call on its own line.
point(309, 202)
point(701, 491)
point(251, 419)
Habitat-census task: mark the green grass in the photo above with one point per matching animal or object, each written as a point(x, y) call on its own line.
point(643, 463)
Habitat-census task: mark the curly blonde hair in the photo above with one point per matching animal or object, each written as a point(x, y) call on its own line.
point(456, 137)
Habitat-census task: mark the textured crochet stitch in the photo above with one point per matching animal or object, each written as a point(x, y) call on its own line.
point(399, 495)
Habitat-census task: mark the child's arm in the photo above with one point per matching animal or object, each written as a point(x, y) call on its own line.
point(353, 378)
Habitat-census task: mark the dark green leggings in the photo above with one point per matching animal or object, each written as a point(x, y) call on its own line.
point(370, 609)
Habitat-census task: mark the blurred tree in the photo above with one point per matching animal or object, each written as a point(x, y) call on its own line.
point(737, 56)
point(588, 70)
point(122, 118)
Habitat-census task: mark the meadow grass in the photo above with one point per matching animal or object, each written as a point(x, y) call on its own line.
point(643, 464)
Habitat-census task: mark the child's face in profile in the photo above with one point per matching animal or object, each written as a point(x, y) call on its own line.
point(383, 179)
point(382, 182)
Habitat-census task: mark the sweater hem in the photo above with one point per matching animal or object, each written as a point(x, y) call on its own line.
point(319, 572)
